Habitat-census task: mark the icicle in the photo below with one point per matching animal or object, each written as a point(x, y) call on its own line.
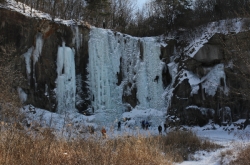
point(27, 57)
point(77, 40)
point(66, 83)
point(36, 54)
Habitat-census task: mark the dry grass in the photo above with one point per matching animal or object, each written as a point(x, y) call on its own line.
point(243, 157)
point(24, 147)
point(180, 144)
point(227, 155)
point(17, 147)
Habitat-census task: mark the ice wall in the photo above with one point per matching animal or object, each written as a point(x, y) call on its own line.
point(139, 61)
point(104, 62)
point(66, 83)
point(149, 76)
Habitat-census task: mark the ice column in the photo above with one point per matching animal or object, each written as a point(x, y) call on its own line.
point(77, 40)
point(66, 83)
point(149, 76)
point(104, 62)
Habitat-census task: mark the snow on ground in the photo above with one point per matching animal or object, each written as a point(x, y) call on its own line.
point(232, 141)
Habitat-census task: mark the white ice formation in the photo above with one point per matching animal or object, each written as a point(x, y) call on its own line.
point(34, 53)
point(66, 81)
point(138, 60)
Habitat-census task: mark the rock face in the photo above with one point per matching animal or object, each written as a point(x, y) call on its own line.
point(209, 54)
point(220, 58)
point(128, 72)
point(36, 43)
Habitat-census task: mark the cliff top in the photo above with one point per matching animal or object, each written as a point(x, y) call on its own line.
point(31, 12)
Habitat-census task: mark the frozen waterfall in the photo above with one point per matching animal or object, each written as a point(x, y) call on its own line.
point(138, 60)
point(66, 83)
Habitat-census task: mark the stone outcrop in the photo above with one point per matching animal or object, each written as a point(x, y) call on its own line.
point(231, 50)
point(209, 54)
point(21, 31)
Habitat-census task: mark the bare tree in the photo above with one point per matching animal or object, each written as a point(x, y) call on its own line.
point(122, 14)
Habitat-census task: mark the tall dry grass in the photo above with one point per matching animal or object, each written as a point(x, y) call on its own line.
point(181, 144)
point(19, 147)
point(24, 147)
point(243, 157)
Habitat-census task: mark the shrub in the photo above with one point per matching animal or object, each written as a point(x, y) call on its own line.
point(180, 144)
point(243, 157)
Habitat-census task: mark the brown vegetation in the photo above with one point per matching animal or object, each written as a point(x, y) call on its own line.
point(180, 144)
point(26, 147)
point(243, 157)
point(10, 79)
point(20, 148)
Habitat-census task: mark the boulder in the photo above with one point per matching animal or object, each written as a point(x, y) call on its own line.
point(209, 54)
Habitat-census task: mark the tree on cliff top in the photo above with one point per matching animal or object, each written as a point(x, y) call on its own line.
point(97, 11)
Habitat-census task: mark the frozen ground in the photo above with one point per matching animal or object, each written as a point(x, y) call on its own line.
point(233, 141)
point(76, 125)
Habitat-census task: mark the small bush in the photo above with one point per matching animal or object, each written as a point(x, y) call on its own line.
point(182, 143)
point(243, 157)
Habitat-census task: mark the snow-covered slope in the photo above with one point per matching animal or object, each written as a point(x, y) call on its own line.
point(31, 12)
point(201, 35)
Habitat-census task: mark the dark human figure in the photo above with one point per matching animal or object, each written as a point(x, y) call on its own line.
point(119, 126)
point(160, 129)
point(147, 125)
point(156, 79)
point(143, 124)
point(165, 127)
point(104, 25)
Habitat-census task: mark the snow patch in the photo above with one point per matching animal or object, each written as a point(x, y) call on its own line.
point(203, 110)
point(212, 81)
point(22, 94)
point(137, 115)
